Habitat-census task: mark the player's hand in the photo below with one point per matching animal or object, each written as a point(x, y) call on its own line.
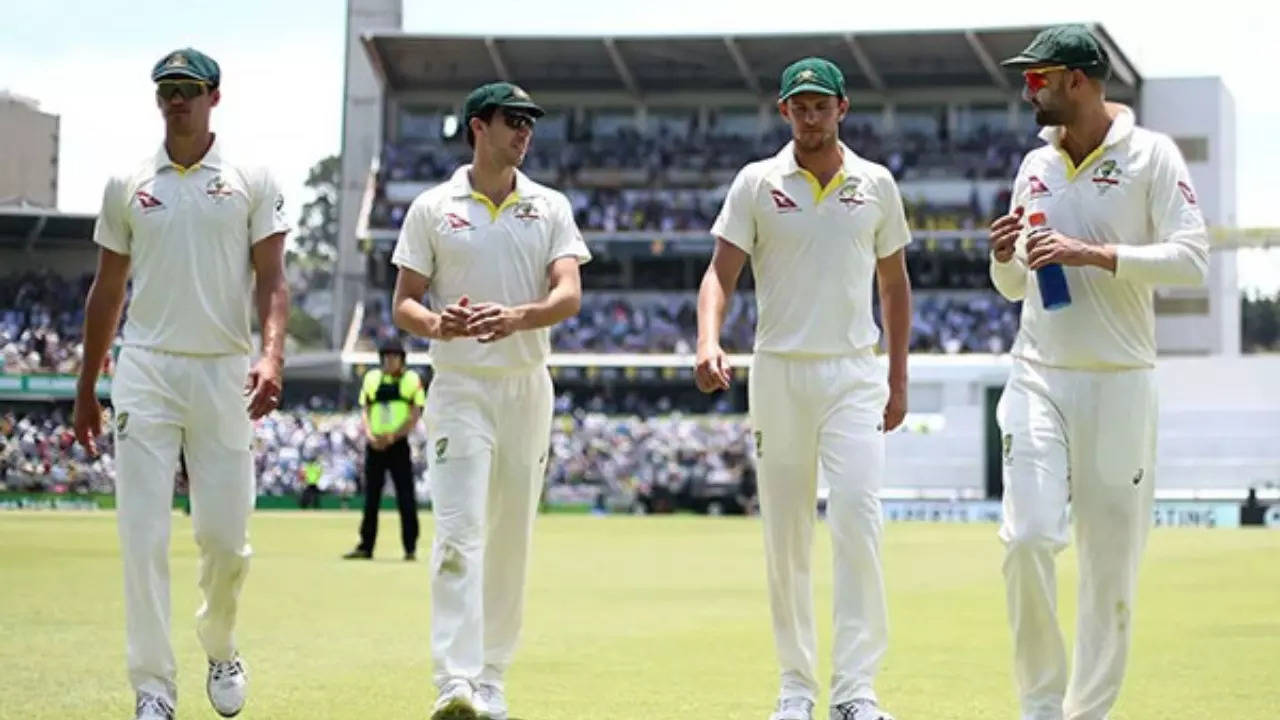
point(1046, 246)
point(896, 409)
point(491, 322)
point(1004, 235)
point(263, 386)
point(453, 320)
point(87, 420)
point(711, 369)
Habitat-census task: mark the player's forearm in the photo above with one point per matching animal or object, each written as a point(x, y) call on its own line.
point(414, 317)
point(101, 320)
point(563, 302)
point(1180, 261)
point(895, 311)
point(1010, 278)
point(713, 300)
point(272, 296)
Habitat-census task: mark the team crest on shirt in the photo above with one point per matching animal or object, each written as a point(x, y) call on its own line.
point(1037, 188)
point(457, 223)
point(442, 446)
point(1187, 193)
point(1106, 176)
point(850, 194)
point(759, 444)
point(147, 202)
point(1006, 448)
point(782, 202)
point(122, 426)
point(218, 189)
point(526, 211)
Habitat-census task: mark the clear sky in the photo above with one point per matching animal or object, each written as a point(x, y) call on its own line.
point(282, 62)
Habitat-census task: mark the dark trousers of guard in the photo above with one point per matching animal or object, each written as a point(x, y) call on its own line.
point(396, 460)
point(310, 498)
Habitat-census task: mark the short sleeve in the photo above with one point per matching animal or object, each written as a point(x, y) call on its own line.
point(736, 222)
point(566, 238)
point(368, 386)
point(892, 234)
point(415, 248)
point(420, 397)
point(112, 230)
point(268, 214)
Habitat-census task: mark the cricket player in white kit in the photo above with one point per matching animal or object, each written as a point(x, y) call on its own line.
point(498, 255)
point(818, 222)
point(1078, 415)
point(201, 234)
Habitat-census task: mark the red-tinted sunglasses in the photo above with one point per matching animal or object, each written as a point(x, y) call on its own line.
point(1036, 77)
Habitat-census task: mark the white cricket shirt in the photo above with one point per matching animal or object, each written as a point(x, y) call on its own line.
point(188, 234)
point(465, 245)
point(1133, 192)
point(814, 249)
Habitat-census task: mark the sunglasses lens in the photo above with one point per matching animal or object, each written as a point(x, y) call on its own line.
point(187, 89)
point(516, 121)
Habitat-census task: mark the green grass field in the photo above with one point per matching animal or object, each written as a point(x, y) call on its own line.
point(657, 618)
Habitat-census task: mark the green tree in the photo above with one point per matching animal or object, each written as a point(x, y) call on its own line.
point(312, 253)
point(1260, 323)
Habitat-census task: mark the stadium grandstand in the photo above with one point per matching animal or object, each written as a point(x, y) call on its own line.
point(643, 134)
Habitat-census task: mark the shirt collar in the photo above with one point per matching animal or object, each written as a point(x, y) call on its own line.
point(460, 184)
point(787, 158)
point(212, 159)
point(1120, 130)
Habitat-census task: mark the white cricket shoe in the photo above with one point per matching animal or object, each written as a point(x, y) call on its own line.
point(793, 708)
point(859, 710)
point(227, 686)
point(152, 707)
point(491, 702)
point(456, 702)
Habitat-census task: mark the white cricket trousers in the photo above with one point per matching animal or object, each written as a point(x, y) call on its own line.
point(164, 404)
point(1089, 438)
point(822, 416)
point(488, 435)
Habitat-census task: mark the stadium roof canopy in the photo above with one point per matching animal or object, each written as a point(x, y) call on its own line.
point(878, 63)
point(30, 226)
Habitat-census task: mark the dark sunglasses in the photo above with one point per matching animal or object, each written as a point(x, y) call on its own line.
point(518, 121)
point(188, 89)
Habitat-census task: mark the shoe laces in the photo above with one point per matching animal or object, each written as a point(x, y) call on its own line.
point(860, 709)
point(225, 670)
point(154, 703)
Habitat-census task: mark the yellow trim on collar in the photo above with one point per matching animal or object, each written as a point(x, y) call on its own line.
point(184, 170)
point(495, 210)
point(820, 193)
point(1072, 169)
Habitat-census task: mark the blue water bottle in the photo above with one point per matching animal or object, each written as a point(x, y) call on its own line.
point(1054, 294)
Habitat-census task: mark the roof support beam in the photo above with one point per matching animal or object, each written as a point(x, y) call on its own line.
point(34, 234)
point(495, 55)
point(620, 64)
point(864, 62)
point(748, 76)
point(988, 62)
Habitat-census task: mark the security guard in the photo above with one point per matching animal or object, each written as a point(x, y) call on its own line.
point(392, 397)
point(312, 471)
